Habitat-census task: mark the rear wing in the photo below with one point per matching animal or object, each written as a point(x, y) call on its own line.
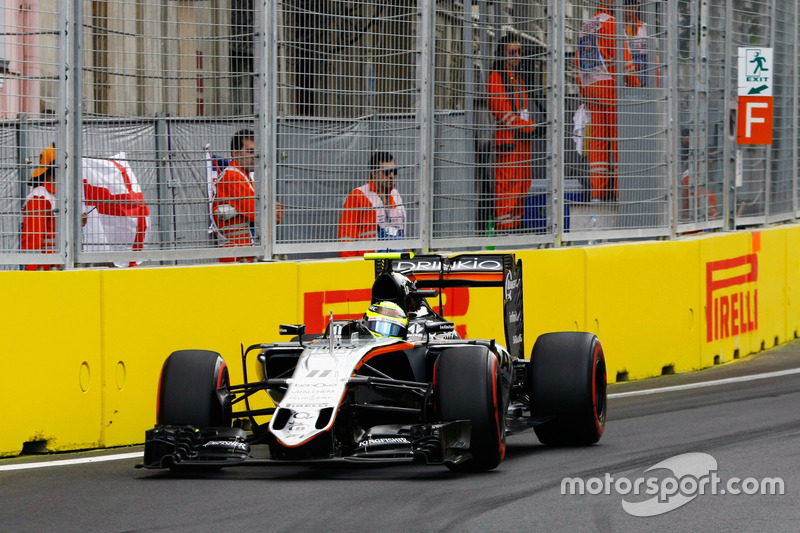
point(468, 270)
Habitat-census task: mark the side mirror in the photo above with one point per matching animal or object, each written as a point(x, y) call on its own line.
point(292, 329)
point(426, 293)
point(439, 327)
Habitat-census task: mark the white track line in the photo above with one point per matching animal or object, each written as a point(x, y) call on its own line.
point(702, 384)
point(67, 462)
point(132, 455)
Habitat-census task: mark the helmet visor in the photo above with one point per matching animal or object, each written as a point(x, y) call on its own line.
point(386, 328)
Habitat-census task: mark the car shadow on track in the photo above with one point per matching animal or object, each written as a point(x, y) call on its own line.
point(516, 449)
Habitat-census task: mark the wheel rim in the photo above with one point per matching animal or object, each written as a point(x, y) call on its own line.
point(599, 387)
point(501, 418)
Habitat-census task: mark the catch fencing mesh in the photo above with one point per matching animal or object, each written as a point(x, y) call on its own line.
point(506, 124)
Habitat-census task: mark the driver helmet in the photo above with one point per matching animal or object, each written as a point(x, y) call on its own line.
point(386, 319)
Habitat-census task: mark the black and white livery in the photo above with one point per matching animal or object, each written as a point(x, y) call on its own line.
point(349, 394)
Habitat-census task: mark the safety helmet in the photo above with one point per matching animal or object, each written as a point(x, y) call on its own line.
point(47, 160)
point(386, 319)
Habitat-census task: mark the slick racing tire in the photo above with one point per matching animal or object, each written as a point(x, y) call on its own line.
point(193, 390)
point(466, 386)
point(568, 387)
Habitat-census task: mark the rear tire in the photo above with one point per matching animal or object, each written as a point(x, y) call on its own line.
point(467, 387)
point(568, 383)
point(193, 390)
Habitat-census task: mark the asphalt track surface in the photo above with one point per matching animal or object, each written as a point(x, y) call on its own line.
point(750, 428)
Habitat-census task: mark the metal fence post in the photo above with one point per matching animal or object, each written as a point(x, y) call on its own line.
point(425, 107)
point(469, 75)
point(699, 172)
point(795, 103)
point(164, 206)
point(729, 147)
point(769, 155)
point(673, 98)
point(264, 105)
point(558, 66)
point(70, 129)
point(22, 148)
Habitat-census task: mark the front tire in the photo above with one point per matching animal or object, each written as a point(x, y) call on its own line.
point(568, 386)
point(193, 390)
point(466, 386)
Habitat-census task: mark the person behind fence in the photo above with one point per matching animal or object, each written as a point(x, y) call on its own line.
point(375, 210)
point(636, 36)
point(508, 102)
point(596, 58)
point(39, 211)
point(234, 203)
point(697, 202)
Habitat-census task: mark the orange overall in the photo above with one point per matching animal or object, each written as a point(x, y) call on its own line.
point(234, 209)
point(596, 58)
point(509, 105)
point(39, 223)
point(368, 216)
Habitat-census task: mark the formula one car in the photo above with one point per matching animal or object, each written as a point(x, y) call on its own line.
point(398, 385)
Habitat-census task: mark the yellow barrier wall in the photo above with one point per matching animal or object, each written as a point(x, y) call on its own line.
point(149, 313)
point(792, 287)
point(772, 290)
point(82, 350)
point(51, 360)
point(641, 301)
point(554, 288)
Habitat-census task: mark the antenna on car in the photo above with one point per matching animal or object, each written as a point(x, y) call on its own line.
point(383, 260)
point(330, 331)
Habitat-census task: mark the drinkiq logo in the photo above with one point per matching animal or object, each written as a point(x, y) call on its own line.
point(671, 484)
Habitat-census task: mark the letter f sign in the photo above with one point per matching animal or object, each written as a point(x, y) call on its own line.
point(750, 119)
point(755, 120)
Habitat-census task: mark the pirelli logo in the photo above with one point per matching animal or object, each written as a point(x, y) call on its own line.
point(317, 303)
point(351, 305)
point(731, 297)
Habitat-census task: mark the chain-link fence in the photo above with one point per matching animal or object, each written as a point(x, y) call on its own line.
point(237, 129)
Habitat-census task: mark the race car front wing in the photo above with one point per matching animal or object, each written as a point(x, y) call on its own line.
point(176, 446)
point(187, 446)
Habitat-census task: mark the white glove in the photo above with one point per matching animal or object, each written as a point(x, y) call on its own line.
point(225, 212)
